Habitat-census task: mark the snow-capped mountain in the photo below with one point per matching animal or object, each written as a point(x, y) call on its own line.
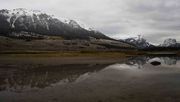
point(139, 42)
point(74, 24)
point(34, 21)
point(170, 43)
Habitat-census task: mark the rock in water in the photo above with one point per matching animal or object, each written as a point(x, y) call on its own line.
point(156, 63)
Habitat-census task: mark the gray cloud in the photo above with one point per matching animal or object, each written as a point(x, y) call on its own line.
point(154, 19)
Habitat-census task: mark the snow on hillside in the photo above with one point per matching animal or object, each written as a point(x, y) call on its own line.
point(17, 13)
point(139, 41)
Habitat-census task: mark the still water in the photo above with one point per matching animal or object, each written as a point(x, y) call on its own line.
point(136, 79)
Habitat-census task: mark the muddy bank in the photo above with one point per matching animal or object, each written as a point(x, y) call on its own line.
point(59, 60)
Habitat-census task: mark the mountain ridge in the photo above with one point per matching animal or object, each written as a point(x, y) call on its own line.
point(23, 29)
point(139, 42)
point(170, 42)
point(34, 21)
point(142, 43)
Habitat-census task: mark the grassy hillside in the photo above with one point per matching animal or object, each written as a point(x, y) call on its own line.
point(59, 44)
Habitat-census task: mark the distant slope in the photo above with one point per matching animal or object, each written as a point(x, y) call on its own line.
point(58, 44)
point(170, 43)
point(139, 42)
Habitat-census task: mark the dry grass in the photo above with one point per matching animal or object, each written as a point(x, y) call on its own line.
point(69, 53)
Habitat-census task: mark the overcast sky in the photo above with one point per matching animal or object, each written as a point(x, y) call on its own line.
point(156, 20)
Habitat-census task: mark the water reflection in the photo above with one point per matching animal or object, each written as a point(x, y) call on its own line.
point(170, 60)
point(142, 60)
point(22, 78)
point(133, 80)
point(15, 78)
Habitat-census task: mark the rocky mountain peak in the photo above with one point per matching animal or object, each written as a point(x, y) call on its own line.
point(74, 24)
point(169, 42)
point(139, 41)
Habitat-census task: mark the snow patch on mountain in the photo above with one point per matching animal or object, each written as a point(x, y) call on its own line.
point(76, 24)
point(19, 14)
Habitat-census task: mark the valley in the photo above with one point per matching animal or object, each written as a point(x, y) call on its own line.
point(44, 58)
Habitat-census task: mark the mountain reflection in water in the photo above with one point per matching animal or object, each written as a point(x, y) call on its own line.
point(142, 60)
point(17, 79)
point(93, 82)
point(13, 78)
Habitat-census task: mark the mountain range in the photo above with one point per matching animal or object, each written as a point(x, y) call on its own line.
point(139, 42)
point(33, 24)
point(170, 43)
point(142, 43)
point(15, 21)
point(22, 29)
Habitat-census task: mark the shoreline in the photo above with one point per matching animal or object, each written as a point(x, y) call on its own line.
point(69, 53)
point(59, 60)
point(67, 57)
